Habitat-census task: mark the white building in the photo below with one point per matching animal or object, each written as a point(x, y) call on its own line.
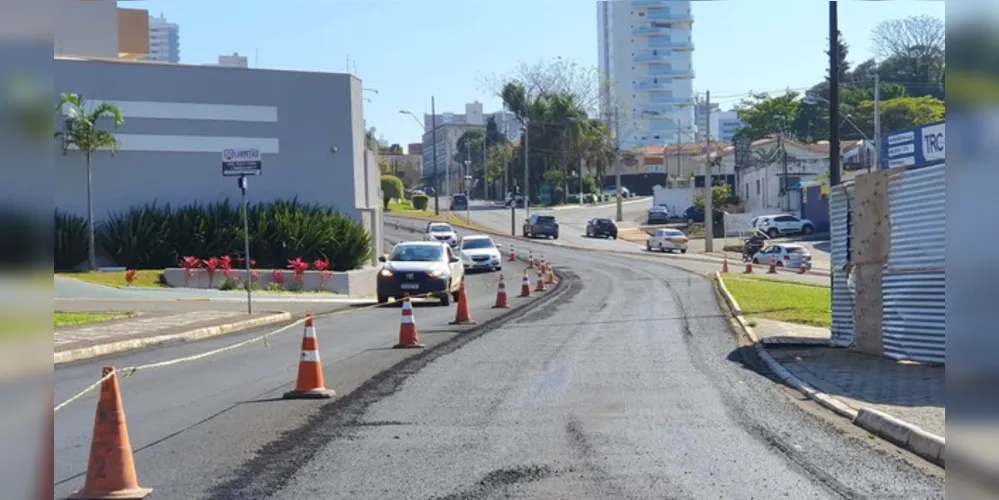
point(724, 125)
point(164, 40)
point(450, 171)
point(646, 52)
point(506, 122)
point(233, 61)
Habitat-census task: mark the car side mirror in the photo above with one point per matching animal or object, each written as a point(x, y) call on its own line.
point(382, 258)
point(499, 245)
point(455, 259)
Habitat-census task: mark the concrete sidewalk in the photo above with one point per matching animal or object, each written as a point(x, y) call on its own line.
point(75, 343)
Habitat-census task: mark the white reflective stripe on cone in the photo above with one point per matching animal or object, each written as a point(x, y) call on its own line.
point(407, 306)
point(310, 332)
point(408, 320)
point(310, 356)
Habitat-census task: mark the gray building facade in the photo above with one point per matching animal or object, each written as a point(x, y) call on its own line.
point(309, 127)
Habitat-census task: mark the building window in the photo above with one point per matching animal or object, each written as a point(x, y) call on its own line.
point(757, 187)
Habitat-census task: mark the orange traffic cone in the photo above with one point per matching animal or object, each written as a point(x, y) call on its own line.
point(310, 384)
point(773, 267)
point(408, 337)
point(525, 286)
point(543, 265)
point(462, 316)
point(501, 302)
point(513, 256)
point(530, 259)
point(111, 469)
point(540, 287)
point(725, 265)
point(802, 269)
point(549, 274)
point(749, 268)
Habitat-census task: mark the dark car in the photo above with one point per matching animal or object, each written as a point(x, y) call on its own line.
point(693, 214)
point(540, 226)
point(603, 228)
point(657, 215)
point(459, 202)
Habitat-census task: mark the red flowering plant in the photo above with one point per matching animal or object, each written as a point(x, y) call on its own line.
point(299, 267)
point(130, 276)
point(323, 266)
point(212, 266)
point(226, 262)
point(277, 276)
point(191, 264)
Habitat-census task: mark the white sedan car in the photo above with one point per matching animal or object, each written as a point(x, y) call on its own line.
point(479, 251)
point(442, 232)
point(671, 240)
point(784, 255)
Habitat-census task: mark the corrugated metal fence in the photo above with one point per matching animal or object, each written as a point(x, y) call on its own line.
point(840, 206)
point(913, 280)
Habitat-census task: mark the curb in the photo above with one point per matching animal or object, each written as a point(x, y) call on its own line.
point(903, 434)
point(191, 335)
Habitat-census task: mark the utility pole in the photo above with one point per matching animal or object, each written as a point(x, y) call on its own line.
point(784, 187)
point(433, 137)
point(834, 151)
point(679, 156)
point(527, 179)
point(617, 162)
point(468, 169)
point(708, 209)
point(485, 159)
point(876, 159)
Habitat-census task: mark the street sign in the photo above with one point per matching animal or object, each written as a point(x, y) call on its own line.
point(241, 161)
point(917, 146)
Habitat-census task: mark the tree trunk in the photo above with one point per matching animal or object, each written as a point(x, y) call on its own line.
point(91, 246)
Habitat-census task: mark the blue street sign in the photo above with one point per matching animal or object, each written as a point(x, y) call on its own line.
point(917, 146)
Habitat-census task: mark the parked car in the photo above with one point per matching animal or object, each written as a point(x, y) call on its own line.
point(441, 231)
point(657, 214)
point(781, 224)
point(479, 251)
point(514, 199)
point(671, 240)
point(420, 268)
point(612, 191)
point(784, 255)
point(459, 202)
point(693, 214)
point(605, 228)
point(540, 226)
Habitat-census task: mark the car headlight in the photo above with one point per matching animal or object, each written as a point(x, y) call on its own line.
point(386, 273)
point(436, 273)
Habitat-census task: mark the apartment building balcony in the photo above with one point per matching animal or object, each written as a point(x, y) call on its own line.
point(648, 4)
point(674, 73)
point(670, 16)
point(652, 84)
point(663, 107)
point(654, 57)
point(650, 31)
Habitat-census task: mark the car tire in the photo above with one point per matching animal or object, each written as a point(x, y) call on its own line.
point(648, 246)
point(807, 229)
point(555, 237)
point(446, 298)
point(683, 251)
point(756, 261)
point(779, 264)
point(773, 232)
point(455, 296)
point(382, 299)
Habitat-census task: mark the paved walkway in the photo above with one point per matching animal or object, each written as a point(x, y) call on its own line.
point(910, 391)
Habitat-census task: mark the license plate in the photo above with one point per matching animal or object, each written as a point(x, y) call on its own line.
point(410, 286)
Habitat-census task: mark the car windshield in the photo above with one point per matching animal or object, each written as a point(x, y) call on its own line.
point(477, 244)
point(416, 253)
point(798, 250)
point(441, 228)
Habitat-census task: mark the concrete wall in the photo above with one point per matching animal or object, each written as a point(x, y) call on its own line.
point(179, 118)
point(86, 28)
point(869, 248)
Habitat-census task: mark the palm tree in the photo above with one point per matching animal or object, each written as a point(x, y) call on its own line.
point(80, 131)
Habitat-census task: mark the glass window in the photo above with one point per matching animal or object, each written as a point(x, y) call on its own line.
point(416, 253)
point(477, 244)
point(441, 228)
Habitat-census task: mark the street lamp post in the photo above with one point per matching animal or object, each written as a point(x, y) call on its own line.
point(813, 99)
point(433, 127)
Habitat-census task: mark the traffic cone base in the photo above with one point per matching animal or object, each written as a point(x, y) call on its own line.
point(462, 316)
point(540, 287)
point(310, 383)
point(110, 468)
point(749, 268)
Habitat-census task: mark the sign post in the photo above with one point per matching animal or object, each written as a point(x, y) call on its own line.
point(242, 163)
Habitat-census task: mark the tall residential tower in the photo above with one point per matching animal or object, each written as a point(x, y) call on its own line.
point(645, 56)
point(164, 40)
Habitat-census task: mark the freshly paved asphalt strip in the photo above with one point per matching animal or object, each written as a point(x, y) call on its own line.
point(631, 386)
point(193, 424)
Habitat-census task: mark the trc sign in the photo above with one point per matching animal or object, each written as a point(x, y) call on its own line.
point(918, 146)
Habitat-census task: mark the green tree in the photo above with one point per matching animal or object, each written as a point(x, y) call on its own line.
point(498, 161)
point(392, 189)
point(765, 115)
point(385, 166)
point(721, 197)
point(902, 112)
point(81, 131)
point(842, 51)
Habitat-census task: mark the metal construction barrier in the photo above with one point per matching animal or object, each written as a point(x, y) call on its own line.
point(913, 280)
point(840, 208)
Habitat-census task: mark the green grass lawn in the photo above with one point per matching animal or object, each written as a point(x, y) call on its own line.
point(86, 318)
point(781, 300)
point(143, 278)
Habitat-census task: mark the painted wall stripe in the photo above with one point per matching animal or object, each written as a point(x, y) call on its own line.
point(194, 143)
point(194, 111)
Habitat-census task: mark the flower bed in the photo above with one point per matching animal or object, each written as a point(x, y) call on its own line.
point(226, 273)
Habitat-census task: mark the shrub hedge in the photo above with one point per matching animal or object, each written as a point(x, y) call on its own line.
point(420, 201)
point(154, 236)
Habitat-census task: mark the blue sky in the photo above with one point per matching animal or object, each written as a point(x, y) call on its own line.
point(410, 49)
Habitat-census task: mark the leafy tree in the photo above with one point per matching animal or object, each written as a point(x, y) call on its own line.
point(469, 148)
point(498, 161)
point(765, 115)
point(842, 51)
point(385, 167)
point(721, 196)
point(897, 37)
point(392, 189)
point(901, 112)
point(80, 131)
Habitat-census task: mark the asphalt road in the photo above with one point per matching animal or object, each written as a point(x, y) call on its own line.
point(572, 222)
point(630, 386)
point(194, 424)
